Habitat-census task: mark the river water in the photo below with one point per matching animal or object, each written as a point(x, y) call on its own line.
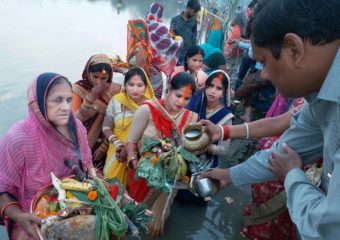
point(59, 36)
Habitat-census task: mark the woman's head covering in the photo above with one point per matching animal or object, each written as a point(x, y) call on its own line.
point(125, 99)
point(33, 147)
point(226, 100)
point(95, 60)
point(37, 94)
point(138, 45)
point(198, 102)
point(165, 50)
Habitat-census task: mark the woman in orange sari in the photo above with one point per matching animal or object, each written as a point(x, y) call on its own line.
point(90, 98)
point(157, 119)
point(139, 53)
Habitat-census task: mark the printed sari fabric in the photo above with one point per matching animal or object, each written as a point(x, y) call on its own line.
point(160, 125)
point(165, 50)
point(139, 51)
point(121, 109)
point(33, 148)
point(267, 217)
point(94, 123)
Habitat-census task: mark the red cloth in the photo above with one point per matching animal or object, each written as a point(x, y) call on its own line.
point(137, 188)
point(162, 124)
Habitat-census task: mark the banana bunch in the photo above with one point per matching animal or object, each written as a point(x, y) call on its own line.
point(72, 184)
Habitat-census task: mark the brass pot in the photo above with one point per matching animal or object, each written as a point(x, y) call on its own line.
point(195, 138)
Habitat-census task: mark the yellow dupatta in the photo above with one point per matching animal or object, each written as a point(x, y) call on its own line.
point(121, 129)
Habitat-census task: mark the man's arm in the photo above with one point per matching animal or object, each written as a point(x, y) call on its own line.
point(304, 136)
point(314, 213)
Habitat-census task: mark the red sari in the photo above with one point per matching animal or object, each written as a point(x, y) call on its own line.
point(164, 124)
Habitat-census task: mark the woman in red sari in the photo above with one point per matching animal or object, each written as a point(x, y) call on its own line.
point(158, 119)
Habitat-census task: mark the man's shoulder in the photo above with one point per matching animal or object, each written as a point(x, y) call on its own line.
point(177, 18)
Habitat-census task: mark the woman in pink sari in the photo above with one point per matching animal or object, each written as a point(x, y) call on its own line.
point(37, 146)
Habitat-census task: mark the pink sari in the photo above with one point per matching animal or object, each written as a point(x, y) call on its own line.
point(33, 148)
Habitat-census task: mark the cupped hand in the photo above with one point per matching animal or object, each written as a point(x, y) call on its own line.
point(99, 90)
point(213, 130)
point(281, 164)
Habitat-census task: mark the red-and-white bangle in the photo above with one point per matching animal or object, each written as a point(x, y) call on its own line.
point(3, 210)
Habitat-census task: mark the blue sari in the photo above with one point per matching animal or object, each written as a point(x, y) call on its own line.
point(198, 104)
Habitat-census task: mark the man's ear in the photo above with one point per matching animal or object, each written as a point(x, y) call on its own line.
point(295, 47)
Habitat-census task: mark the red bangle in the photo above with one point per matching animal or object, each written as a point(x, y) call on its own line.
point(226, 132)
point(2, 213)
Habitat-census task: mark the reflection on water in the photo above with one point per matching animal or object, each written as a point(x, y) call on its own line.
point(59, 36)
point(45, 35)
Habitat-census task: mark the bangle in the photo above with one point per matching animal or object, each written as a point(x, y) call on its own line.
point(131, 157)
point(114, 140)
point(226, 132)
point(3, 210)
point(247, 130)
point(222, 132)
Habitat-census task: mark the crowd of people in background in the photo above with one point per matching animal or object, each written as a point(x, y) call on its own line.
point(288, 72)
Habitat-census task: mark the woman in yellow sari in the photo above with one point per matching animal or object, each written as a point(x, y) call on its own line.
point(118, 119)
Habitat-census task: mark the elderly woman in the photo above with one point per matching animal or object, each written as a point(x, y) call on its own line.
point(37, 146)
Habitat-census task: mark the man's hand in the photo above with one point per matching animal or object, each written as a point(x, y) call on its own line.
point(213, 130)
point(218, 175)
point(281, 164)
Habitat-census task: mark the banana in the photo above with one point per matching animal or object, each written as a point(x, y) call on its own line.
point(72, 184)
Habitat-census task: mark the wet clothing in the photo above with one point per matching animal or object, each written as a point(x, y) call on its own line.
point(314, 134)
